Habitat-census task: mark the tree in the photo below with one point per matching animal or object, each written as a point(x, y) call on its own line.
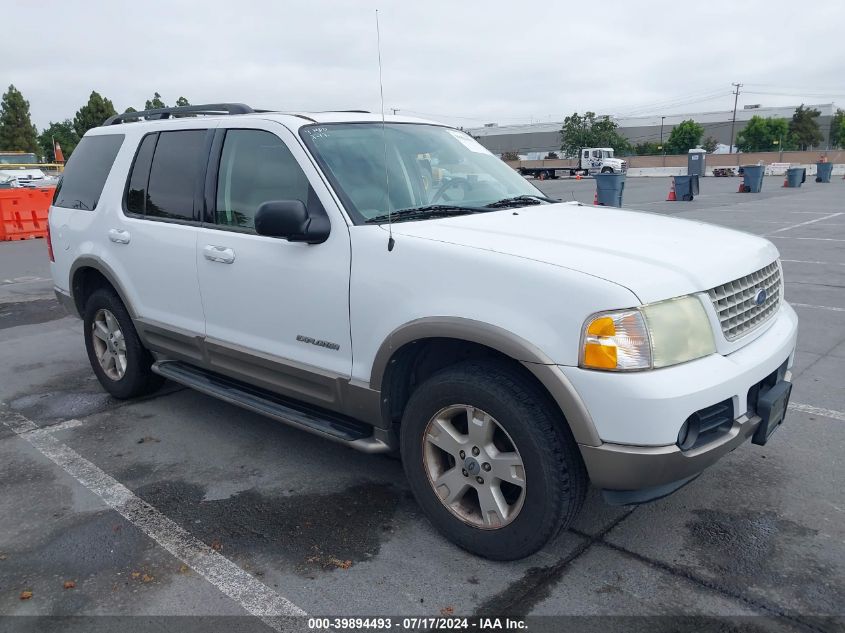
point(93, 113)
point(804, 129)
point(61, 132)
point(589, 131)
point(17, 133)
point(552, 155)
point(154, 103)
point(763, 135)
point(182, 102)
point(648, 148)
point(710, 144)
point(510, 156)
point(685, 136)
point(837, 129)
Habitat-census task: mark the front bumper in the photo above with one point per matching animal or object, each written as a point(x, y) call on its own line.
point(638, 415)
point(651, 472)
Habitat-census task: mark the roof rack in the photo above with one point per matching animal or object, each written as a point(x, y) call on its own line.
point(166, 113)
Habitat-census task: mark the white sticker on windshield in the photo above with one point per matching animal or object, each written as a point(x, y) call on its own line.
point(469, 142)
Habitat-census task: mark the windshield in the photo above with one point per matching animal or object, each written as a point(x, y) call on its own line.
point(18, 159)
point(427, 165)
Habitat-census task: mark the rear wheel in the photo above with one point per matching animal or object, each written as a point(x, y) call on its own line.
point(117, 356)
point(490, 460)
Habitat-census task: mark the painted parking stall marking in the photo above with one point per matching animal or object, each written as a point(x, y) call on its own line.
point(254, 596)
point(795, 226)
point(810, 305)
point(805, 261)
point(808, 408)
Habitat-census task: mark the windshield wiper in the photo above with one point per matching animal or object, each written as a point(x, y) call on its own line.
point(517, 201)
point(428, 211)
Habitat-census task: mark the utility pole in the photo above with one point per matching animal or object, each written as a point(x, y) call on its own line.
point(395, 110)
point(733, 122)
point(662, 151)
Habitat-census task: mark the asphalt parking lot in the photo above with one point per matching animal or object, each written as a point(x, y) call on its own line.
point(129, 501)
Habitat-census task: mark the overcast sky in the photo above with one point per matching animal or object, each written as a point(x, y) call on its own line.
point(461, 62)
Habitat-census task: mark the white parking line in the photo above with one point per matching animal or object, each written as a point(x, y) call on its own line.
point(254, 596)
point(61, 426)
point(795, 226)
point(802, 261)
point(827, 413)
point(21, 280)
point(818, 239)
point(809, 305)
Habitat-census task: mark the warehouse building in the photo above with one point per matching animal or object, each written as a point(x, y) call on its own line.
point(537, 139)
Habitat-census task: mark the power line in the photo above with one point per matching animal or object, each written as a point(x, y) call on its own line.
point(817, 95)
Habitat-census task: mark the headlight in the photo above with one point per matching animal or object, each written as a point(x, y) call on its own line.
point(652, 336)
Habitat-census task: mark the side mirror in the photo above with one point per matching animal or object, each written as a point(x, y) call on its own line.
point(290, 219)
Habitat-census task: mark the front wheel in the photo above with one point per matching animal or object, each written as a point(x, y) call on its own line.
point(490, 460)
point(607, 170)
point(118, 358)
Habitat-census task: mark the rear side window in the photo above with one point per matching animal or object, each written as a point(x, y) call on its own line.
point(173, 175)
point(164, 175)
point(136, 192)
point(86, 172)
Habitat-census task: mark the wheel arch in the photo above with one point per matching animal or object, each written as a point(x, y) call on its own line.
point(454, 339)
point(89, 273)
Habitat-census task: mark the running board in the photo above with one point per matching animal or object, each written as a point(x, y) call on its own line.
point(339, 428)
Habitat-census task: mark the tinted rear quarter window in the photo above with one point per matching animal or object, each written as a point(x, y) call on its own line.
point(173, 175)
point(136, 191)
point(86, 172)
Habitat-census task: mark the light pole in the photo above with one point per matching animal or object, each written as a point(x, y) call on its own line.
point(662, 151)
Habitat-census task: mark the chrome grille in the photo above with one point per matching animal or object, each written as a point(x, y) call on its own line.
point(735, 302)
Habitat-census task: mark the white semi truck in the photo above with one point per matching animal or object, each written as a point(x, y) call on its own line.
point(591, 160)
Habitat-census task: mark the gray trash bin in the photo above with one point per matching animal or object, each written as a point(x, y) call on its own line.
point(795, 176)
point(752, 176)
point(823, 172)
point(609, 188)
point(686, 187)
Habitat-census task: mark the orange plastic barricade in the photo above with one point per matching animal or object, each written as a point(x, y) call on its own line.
point(23, 212)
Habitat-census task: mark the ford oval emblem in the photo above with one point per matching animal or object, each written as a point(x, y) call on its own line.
point(760, 297)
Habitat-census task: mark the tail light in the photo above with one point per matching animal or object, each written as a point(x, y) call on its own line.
point(50, 243)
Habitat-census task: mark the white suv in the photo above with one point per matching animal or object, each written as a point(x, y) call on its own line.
point(396, 287)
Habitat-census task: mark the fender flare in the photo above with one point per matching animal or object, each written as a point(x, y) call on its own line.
point(550, 375)
point(91, 261)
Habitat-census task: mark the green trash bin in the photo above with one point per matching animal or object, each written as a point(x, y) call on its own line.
point(752, 176)
point(823, 172)
point(795, 176)
point(609, 188)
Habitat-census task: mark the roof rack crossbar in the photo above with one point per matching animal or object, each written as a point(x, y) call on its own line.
point(166, 113)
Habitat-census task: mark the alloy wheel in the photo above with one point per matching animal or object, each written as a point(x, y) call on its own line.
point(109, 344)
point(474, 466)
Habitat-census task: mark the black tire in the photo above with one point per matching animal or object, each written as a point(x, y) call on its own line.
point(607, 170)
point(138, 378)
point(555, 477)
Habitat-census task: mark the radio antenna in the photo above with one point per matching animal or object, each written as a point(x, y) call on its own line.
point(390, 240)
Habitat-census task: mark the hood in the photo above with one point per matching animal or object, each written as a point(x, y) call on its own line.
point(655, 256)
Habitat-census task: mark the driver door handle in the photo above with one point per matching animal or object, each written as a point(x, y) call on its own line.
point(220, 254)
